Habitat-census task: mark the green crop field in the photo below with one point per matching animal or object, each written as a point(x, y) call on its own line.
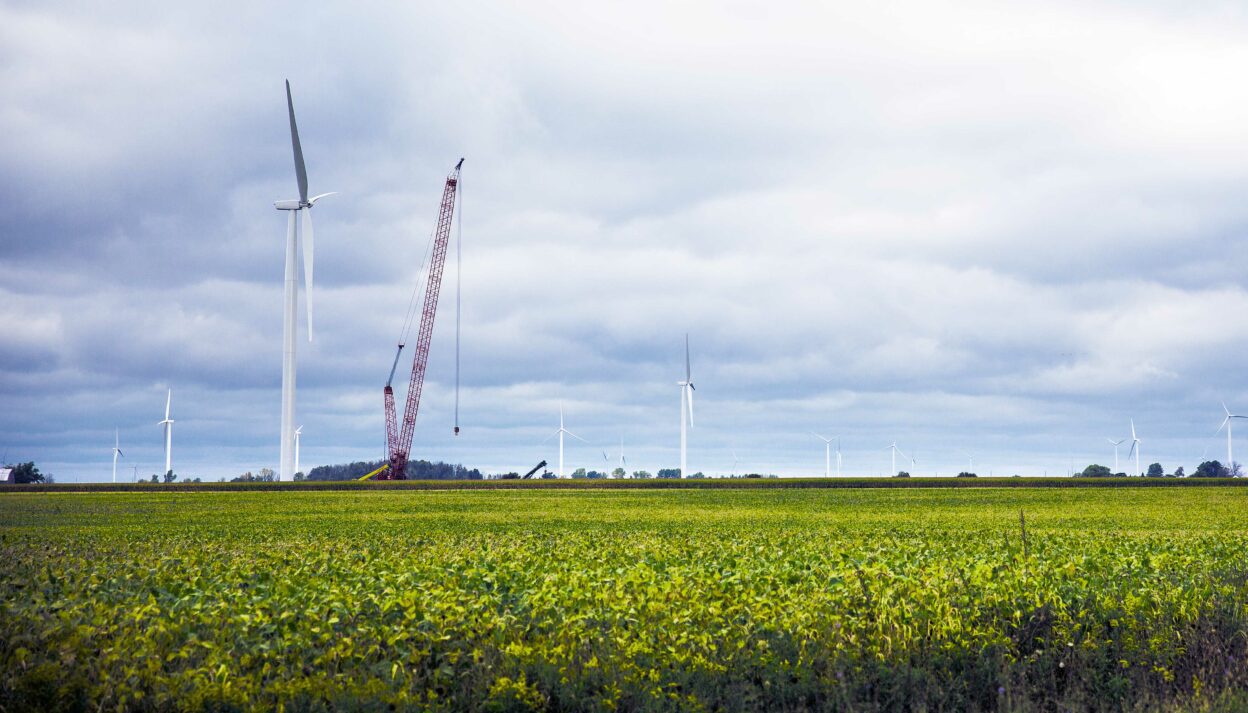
point(717, 599)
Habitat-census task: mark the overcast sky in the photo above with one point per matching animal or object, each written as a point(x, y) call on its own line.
point(999, 229)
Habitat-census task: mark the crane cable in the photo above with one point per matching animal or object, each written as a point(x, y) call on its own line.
point(422, 277)
point(459, 260)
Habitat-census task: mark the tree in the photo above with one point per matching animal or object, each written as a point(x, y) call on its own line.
point(1094, 471)
point(578, 473)
point(902, 474)
point(170, 476)
point(669, 472)
point(155, 478)
point(1178, 472)
point(1156, 471)
point(698, 474)
point(266, 475)
point(618, 473)
point(27, 473)
point(548, 475)
point(299, 477)
point(642, 474)
point(965, 474)
point(1211, 469)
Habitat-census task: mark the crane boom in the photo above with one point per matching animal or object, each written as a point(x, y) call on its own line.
point(399, 441)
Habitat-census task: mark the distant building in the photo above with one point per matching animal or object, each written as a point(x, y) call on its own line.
point(7, 474)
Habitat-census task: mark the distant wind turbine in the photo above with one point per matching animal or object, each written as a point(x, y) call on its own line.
point(827, 454)
point(735, 460)
point(1135, 448)
point(116, 451)
point(896, 450)
point(297, 208)
point(1226, 423)
point(560, 433)
point(686, 409)
point(1115, 444)
point(168, 424)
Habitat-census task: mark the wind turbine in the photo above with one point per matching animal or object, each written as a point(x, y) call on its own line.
point(1135, 448)
point(827, 454)
point(1115, 444)
point(735, 460)
point(895, 449)
point(298, 431)
point(301, 207)
point(970, 460)
point(560, 433)
point(686, 408)
point(168, 424)
point(116, 451)
point(1226, 423)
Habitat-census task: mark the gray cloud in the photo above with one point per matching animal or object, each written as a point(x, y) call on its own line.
point(979, 228)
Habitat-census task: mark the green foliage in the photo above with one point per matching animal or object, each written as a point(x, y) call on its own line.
point(967, 474)
point(170, 476)
point(578, 473)
point(1178, 472)
point(689, 599)
point(642, 474)
point(1156, 471)
point(902, 474)
point(25, 473)
point(1211, 469)
point(618, 473)
point(670, 473)
point(1095, 471)
point(416, 470)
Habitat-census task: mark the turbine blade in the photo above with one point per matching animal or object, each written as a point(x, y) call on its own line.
point(1224, 408)
point(314, 199)
point(691, 406)
point(1132, 451)
point(309, 257)
point(688, 373)
point(168, 403)
point(575, 436)
point(1224, 422)
point(547, 438)
point(301, 173)
point(1132, 428)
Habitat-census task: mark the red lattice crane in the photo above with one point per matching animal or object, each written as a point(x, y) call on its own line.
point(399, 442)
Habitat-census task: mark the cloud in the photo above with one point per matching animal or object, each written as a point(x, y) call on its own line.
point(966, 227)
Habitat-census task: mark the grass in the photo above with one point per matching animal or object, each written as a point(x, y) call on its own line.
point(638, 599)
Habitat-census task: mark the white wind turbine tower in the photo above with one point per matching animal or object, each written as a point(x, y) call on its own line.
point(116, 451)
point(1115, 444)
point(735, 460)
point(168, 424)
point(827, 454)
point(1135, 448)
point(1226, 423)
point(296, 208)
point(893, 446)
point(298, 431)
point(686, 409)
point(560, 433)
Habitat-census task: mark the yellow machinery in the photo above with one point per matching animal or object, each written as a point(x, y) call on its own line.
point(375, 472)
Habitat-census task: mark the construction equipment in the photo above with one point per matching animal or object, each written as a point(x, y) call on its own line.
point(384, 466)
point(399, 442)
point(536, 468)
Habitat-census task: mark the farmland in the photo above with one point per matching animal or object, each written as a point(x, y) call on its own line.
point(724, 599)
